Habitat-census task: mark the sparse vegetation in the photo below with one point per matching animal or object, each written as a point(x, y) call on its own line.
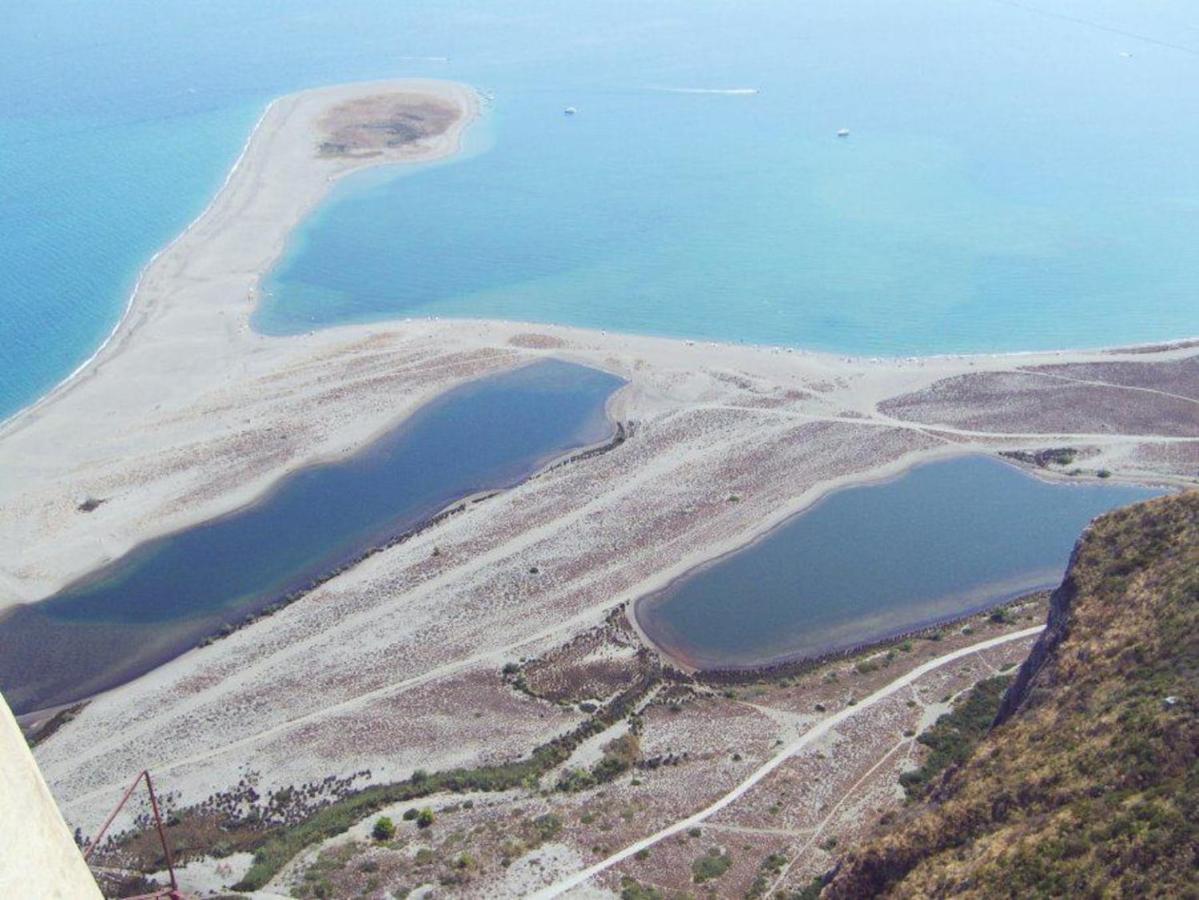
point(768, 871)
point(384, 829)
point(619, 756)
point(274, 847)
point(953, 737)
point(711, 865)
point(630, 889)
point(1002, 616)
point(1089, 786)
point(1054, 456)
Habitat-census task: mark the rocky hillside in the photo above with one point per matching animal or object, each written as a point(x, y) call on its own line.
point(1087, 786)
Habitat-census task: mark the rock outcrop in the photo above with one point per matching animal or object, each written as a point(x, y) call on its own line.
point(1087, 785)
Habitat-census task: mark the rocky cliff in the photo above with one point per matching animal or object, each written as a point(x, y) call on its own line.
point(1087, 784)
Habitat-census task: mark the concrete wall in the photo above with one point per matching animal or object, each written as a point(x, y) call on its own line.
point(38, 857)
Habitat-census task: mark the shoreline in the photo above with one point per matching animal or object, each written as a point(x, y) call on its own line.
point(472, 112)
point(127, 310)
point(125, 325)
point(604, 362)
point(881, 475)
point(265, 607)
point(203, 341)
point(188, 414)
point(789, 664)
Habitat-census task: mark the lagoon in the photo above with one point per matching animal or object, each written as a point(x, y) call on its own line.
point(172, 591)
point(869, 562)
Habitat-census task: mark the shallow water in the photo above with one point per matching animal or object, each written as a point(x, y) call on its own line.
point(873, 561)
point(1018, 175)
point(169, 592)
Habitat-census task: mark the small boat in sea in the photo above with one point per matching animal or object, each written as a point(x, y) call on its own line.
point(843, 133)
point(570, 111)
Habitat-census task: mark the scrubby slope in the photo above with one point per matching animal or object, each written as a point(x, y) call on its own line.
point(1088, 786)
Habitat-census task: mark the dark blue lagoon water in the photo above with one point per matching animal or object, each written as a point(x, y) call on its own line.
point(873, 561)
point(1018, 175)
point(169, 592)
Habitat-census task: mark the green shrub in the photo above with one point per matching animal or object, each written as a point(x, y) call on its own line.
point(384, 829)
point(424, 818)
point(630, 889)
point(548, 826)
point(575, 780)
point(711, 865)
point(955, 734)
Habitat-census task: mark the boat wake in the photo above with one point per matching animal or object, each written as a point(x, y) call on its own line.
point(736, 92)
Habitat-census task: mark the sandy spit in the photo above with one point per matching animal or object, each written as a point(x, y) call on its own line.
point(187, 413)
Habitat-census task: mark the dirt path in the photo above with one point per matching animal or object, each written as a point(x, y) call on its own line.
point(814, 734)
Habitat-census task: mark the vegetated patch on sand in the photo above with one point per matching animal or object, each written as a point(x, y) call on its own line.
point(1099, 397)
point(370, 125)
point(679, 744)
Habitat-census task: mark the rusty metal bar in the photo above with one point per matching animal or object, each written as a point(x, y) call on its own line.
point(173, 891)
point(162, 835)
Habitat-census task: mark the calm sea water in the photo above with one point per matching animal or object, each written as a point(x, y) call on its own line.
point(168, 593)
point(842, 573)
point(1019, 175)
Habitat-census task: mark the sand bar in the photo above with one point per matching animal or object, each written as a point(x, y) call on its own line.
point(188, 413)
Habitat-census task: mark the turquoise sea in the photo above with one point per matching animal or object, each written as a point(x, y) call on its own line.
point(1018, 175)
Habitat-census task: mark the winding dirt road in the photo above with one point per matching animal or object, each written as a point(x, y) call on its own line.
point(814, 734)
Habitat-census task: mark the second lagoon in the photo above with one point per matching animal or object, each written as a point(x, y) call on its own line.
point(866, 563)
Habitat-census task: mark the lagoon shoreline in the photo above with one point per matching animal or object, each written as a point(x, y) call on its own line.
point(212, 323)
point(187, 413)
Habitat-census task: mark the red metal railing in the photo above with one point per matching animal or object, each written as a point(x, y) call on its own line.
point(167, 893)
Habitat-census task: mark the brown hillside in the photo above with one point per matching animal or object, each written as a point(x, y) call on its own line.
point(1088, 787)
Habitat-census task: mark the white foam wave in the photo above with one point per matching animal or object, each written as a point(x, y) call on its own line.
point(732, 92)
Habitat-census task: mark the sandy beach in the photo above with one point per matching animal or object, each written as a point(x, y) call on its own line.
point(187, 413)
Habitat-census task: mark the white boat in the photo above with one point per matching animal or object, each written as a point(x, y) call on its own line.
point(570, 111)
point(843, 132)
